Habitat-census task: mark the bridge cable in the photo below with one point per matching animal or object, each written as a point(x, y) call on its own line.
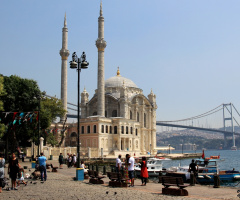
point(197, 116)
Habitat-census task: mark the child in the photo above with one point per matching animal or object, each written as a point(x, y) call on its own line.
point(21, 177)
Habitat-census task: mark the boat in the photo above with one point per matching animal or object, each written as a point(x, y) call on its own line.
point(207, 169)
point(154, 166)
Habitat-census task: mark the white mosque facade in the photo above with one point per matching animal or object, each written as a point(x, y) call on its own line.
point(119, 118)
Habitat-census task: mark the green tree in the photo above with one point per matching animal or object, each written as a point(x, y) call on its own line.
point(24, 95)
point(50, 109)
point(2, 93)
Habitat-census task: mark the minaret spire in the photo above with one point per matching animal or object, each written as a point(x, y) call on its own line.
point(101, 45)
point(101, 13)
point(64, 53)
point(65, 21)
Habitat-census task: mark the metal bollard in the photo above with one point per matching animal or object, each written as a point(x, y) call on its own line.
point(122, 171)
point(192, 179)
point(216, 181)
point(112, 168)
point(97, 168)
point(104, 170)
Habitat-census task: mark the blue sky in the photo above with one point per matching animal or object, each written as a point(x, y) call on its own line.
point(187, 51)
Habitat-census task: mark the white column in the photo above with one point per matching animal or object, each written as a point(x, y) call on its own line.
point(41, 144)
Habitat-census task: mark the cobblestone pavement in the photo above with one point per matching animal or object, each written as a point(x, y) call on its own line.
point(61, 185)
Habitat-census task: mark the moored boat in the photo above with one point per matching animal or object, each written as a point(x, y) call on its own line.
point(154, 166)
point(207, 169)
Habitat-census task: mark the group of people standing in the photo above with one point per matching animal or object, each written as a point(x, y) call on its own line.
point(14, 170)
point(129, 169)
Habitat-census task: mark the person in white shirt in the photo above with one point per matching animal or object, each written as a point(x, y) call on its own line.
point(131, 162)
point(118, 163)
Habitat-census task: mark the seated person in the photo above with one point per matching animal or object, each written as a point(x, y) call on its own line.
point(83, 166)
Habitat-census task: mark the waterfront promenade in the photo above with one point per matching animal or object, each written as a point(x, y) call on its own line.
point(61, 185)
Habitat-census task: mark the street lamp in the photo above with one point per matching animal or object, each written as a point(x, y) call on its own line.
point(78, 63)
point(169, 148)
point(38, 97)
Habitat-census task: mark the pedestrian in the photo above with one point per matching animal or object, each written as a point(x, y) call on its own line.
point(2, 163)
point(60, 160)
point(118, 163)
point(21, 178)
point(23, 157)
point(69, 161)
point(74, 160)
point(126, 169)
point(144, 171)
point(193, 167)
point(42, 166)
point(131, 162)
point(83, 166)
point(13, 169)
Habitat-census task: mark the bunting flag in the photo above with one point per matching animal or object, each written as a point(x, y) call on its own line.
point(18, 118)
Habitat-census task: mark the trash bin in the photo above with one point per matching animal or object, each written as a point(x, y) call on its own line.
point(51, 157)
point(33, 164)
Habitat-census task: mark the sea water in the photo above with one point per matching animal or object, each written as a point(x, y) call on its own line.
point(228, 160)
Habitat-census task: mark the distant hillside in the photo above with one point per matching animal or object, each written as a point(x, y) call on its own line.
point(202, 139)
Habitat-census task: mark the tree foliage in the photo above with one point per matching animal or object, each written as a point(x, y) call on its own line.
point(24, 96)
point(2, 93)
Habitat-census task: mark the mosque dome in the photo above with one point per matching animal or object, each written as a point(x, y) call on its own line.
point(118, 81)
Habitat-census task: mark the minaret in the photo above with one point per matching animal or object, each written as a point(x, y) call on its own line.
point(64, 53)
point(101, 45)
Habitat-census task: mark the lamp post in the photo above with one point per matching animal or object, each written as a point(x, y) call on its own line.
point(169, 148)
point(78, 63)
point(39, 108)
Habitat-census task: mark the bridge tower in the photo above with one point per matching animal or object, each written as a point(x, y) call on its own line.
point(228, 108)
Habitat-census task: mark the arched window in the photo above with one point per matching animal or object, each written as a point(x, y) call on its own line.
point(88, 129)
point(130, 114)
point(138, 116)
point(114, 113)
point(126, 129)
point(102, 128)
point(122, 129)
point(131, 130)
point(115, 130)
point(110, 129)
point(95, 128)
point(136, 131)
point(106, 128)
point(82, 129)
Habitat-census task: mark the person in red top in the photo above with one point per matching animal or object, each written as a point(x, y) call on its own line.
point(144, 171)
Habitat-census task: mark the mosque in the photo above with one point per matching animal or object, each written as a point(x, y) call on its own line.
point(118, 119)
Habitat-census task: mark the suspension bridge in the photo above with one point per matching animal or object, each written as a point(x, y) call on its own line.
point(229, 118)
point(227, 112)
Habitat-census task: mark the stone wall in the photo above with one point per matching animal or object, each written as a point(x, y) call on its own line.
point(55, 151)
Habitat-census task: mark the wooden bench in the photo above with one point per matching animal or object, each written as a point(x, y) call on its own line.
point(174, 181)
point(48, 165)
point(54, 169)
point(116, 179)
point(95, 178)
